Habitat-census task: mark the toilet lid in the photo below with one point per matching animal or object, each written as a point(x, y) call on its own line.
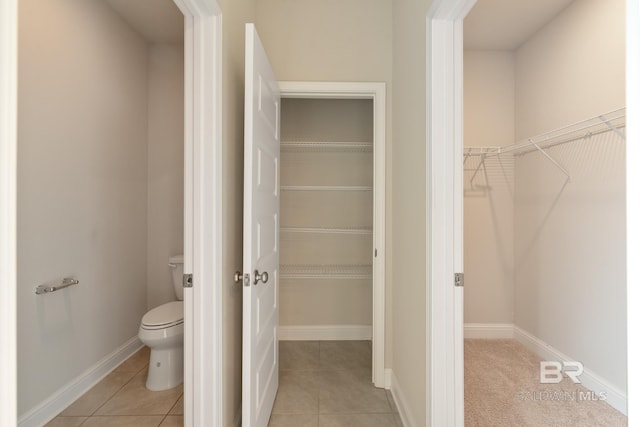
point(169, 313)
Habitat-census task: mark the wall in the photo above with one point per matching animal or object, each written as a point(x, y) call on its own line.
point(570, 236)
point(235, 14)
point(81, 190)
point(408, 251)
point(333, 40)
point(165, 168)
point(489, 97)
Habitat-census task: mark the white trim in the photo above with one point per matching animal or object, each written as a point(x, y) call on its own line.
point(324, 333)
point(203, 390)
point(388, 375)
point(376, 92)
point(69, 393)
point(615, 397)
point(8, 203)
point(444, 206)
point(401, 403)
point(633, 207)
point(488, 330)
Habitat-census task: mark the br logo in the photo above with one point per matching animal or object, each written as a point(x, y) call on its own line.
point(551, 372)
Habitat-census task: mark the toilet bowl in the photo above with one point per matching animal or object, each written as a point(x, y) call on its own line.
point(162, 330)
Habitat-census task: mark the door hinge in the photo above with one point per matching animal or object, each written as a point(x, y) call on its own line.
point(458, 279)
point(187, 280)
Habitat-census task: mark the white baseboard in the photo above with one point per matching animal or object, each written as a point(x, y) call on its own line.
point(488, 330)
point(401, 402)
point(615, 397)
point(324, 333)
point(68, 394)
point(387, 378)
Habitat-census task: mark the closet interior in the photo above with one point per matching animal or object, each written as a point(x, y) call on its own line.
point(326, 212)
point(544, 193)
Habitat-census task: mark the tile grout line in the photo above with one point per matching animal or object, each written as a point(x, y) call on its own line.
point(117, 391)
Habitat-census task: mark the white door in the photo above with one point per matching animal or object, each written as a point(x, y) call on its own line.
point(261, 241)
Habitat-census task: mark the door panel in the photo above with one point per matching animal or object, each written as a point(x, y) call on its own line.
point(261, 236)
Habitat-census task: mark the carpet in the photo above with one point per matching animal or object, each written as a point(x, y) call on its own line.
point(502, 388)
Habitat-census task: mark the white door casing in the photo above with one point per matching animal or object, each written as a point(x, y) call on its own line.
point(445, 205)
point(261, 235)
point(203, 404)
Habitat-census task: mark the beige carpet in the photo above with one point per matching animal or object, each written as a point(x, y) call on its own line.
point(502, 388)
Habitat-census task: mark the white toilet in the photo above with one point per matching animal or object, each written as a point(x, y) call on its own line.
point(162, 330)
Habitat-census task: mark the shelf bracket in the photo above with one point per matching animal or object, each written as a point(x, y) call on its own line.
point(551, 159)
point(482, 157)
point(613, 128)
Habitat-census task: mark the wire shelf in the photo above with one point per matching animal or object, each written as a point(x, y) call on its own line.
point(328, 230)
point(325, 188)
point(334, 271)
point(321, 147)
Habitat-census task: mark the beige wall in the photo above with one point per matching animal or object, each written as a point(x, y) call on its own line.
point(489, 97)
point(165, 157)
point(586, 46)
point(235, 14)
point(408, 251)
point(82, 173)
point(570, 236)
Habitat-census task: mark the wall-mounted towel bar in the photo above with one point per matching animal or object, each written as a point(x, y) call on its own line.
point(66, 282)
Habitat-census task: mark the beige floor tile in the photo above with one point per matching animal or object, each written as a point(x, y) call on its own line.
point(297, 393)
point(173, 421)
point(345, 355)
point(178, 408)
point(123, 421)
point(346, 392)
point(392, 401)
point(293, 420)
point(90, 401)
point(299, 355)
point(357, 420)
point(135, 399)
point(65, 421)
point(136, 362)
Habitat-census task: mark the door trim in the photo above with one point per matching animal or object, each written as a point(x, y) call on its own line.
point(203, 393)
point(377, 93)
point(444, 203)
point(8, 204)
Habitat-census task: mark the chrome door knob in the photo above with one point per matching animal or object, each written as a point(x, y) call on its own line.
point(257, 277)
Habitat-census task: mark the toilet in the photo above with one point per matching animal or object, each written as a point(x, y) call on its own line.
point(162, 330)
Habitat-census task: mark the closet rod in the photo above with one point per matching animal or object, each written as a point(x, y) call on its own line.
point(611, 121)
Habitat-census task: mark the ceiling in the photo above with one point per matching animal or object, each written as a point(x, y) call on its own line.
point(506, 24)
point(158, 21)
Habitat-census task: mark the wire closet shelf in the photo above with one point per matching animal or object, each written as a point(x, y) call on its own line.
point(613, 121)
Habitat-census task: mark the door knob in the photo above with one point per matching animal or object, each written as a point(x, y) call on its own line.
point(257, 277)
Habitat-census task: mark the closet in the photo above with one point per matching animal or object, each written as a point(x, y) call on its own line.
point(326, 211)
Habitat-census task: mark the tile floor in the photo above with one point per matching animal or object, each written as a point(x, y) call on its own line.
point(322, 384)
point(328, 384)
point(122, 400)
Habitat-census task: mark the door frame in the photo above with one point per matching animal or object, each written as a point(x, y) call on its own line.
point(445, 206)
point(377, 93)
point(8, 204)
point(203, 364)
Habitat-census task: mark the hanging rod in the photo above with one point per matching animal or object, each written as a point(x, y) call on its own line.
point(611, 121)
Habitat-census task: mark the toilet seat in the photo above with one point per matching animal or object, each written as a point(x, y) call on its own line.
point(164, 316)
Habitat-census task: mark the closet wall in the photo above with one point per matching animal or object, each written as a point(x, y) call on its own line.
point(489, 112)
point(326, 213)
point(568, 236)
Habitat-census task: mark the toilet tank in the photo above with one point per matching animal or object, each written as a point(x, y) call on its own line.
point(177, 263)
